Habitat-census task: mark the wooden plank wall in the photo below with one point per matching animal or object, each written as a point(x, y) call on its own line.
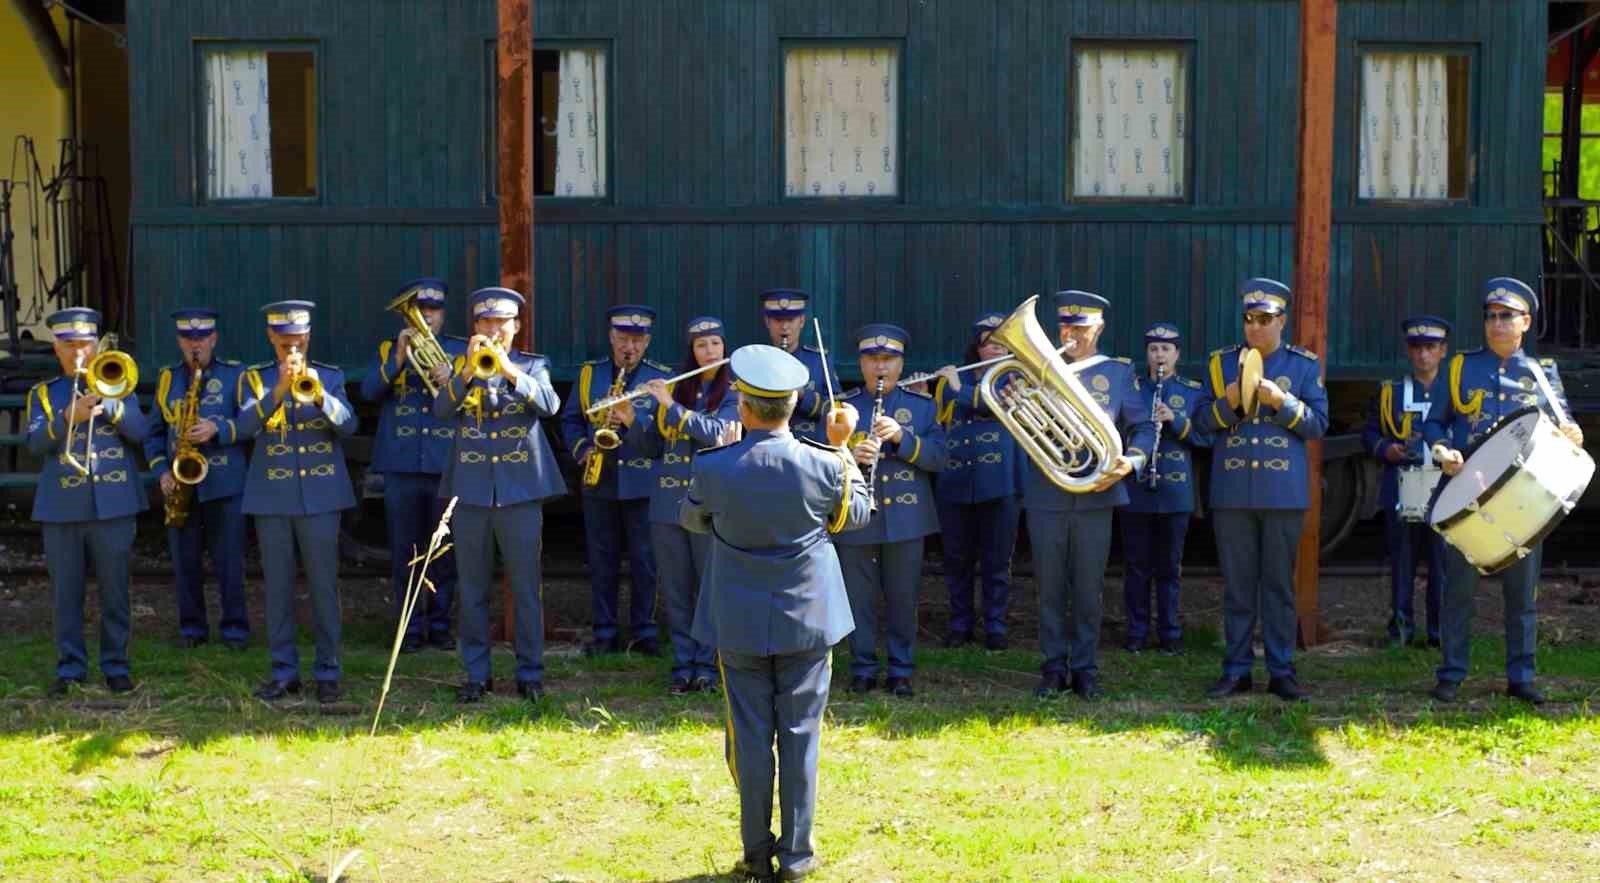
point(696, 222)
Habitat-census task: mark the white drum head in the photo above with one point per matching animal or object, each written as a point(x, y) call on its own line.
point(1487, 467)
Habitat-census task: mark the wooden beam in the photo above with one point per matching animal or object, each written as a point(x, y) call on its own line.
point(42, 28)
point(1313, 234)
point(514, 168)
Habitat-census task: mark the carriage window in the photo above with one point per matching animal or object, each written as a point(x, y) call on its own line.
point(1130, 130)
point(260, 123)
point(841, 121)
point(569, 98)
point(1414, 125)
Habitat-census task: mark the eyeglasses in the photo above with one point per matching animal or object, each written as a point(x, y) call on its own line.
point(1262, 319)
point(1501, 316)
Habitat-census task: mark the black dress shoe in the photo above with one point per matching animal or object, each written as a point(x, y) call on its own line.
point(188, 642)
point(1434, 643)
point(900, 687)
point(679, 687)
point(119, 683)
point(859, 684)
point(800, 871)
point(1050, 684)
point(442, 641)
point(956, 639)
point(1229, 685)
point(275, 689)
point(598, 647)
point(532, 691)
point(1444, 691)
point(1172, 646)
point(474, 691)
point(1527, 692)
point(995, 641)
point(753, 870)
point(236, 643)
point(1286, 688)
point(412, 644)
point(1087, 685)
point(329, 691)
point(647, 647)
point(1133, 646)
point(703, 684)
point(63, 686)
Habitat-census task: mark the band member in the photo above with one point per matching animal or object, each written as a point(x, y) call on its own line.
point(617, 483)
point(1393, 435)
point(978, 495)
point(213, 516)
point(773, 601)
point(898, 443)
point(1071, 533)
point(1483, 387)
point(1260, 487)
point(88, 499)
point(1161, 497)
point(671, 425)
point(295, 410)
point(783, 312)
point(410, 452)
point(501, 470)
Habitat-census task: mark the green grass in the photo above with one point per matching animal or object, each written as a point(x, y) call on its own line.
point(610, 779)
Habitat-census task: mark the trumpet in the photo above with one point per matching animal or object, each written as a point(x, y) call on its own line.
point(110, 375)
point(486, 362)
point(611, 401)
point(423, 351)
point(304, 389)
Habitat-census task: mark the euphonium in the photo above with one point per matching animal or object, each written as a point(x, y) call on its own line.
point(1054, 419)
point(605, 438)
point(110, 375)
point(423, 351)
point(189, 466)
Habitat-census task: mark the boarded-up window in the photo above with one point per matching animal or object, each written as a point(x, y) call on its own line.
point(260, 109)
point(841, 121)
point(1131, 121)
point(1414, 125)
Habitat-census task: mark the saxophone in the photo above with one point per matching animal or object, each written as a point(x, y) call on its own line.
point(189, 466)
point(605, 438)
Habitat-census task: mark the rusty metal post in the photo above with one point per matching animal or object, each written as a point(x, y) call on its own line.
point(514, 167)
point(1313, 235)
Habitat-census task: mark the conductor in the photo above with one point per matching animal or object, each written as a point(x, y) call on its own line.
point(772, 599)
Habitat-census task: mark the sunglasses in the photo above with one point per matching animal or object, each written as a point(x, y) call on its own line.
point(1262, 319)
point(1501, 316)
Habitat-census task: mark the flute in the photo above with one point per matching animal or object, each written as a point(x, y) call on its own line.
point(613, 401)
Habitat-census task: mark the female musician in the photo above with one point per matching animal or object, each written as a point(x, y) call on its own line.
point(977, 495)
point(671, 424)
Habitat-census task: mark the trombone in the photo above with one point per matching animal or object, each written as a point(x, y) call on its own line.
point(111, 375)
point(612, 401)
point(423, 351)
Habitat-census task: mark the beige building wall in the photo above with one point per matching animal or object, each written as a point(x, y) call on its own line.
point(31, 104)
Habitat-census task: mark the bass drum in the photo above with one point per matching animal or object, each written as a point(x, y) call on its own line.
point(1515, 487)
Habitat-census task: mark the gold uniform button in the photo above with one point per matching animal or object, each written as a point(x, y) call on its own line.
point(1255, 420)
point(1255, 441)
point(1255, 464)
point(886, 479)
point(888, 500)
point(1502, 397)
point(302, 449)
point(495, 459)
point(302, 473)
point(967, 441)
point(494, 414)
point(494, 435)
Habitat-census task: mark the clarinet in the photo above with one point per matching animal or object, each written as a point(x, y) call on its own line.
point(1152, 470)
point(877, 411)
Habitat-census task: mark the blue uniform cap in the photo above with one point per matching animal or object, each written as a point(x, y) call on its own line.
point(496, 303)
point(1426, 329)
point(1261, 295)
point(704, 326)
point(784, 303)
point(1163, 332)
point(881, 337)
point(1075, 307)
point(1508, 292)
point(195, 321)
point(430, 291)
point(631, 318)
point(289, 316)
point(767, 372)
point(986, 324)
point(77, 323)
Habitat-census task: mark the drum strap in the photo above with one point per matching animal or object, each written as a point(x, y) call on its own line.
point(1549, 394)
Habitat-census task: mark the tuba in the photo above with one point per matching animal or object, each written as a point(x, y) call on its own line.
point(423, 352)
point(1054, 419)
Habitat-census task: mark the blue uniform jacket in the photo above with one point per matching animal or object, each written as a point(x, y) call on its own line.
point(501, 456)
point(1174, 490)
point(906, 507)
point(629, 472)
point(1110, 383)
point(1260, 462)
point(671, 435)
point(807, 418)
point(984, 462)
point(410, 438)
point(297, 466)
point(218, 403)
point(112, 488)
point(1480, 390)
point(1389, 424)
point(772, 583)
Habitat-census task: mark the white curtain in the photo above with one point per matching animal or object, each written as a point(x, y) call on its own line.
point(1131, 121)
point(238, 131)
point(581, 124)
point(841, 133)
point(1405, 127)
